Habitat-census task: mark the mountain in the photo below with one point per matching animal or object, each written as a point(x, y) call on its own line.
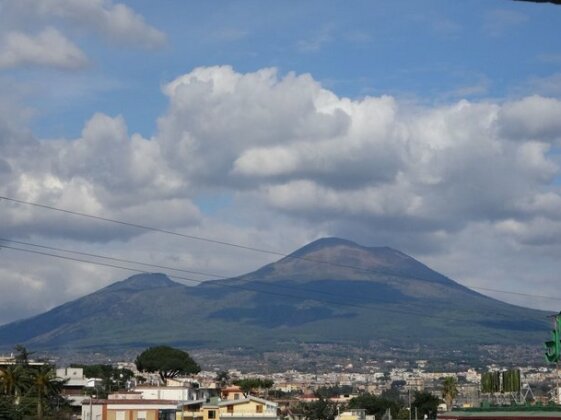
point(330, 291)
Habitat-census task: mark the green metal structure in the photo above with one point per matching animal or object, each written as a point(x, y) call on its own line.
point(553, 346)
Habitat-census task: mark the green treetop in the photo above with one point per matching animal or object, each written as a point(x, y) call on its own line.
point(167, 361)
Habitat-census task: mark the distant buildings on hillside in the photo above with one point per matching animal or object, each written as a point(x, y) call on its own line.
point(179, 403)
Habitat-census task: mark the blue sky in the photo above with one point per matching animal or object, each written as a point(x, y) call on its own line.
point(432, 51)
point(430, 126)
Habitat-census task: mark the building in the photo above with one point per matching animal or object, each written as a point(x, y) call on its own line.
point(175, 393)
point(11, 360)
point(74, 384)
point(358, 414)
point(171, 403)
point(229, 409)
point(128, 406)
point(504, 413)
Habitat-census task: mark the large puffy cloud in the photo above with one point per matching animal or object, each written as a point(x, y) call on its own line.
point(448, 183)
point(128, 168)
point(118, 22)
point(105, 172)
point(309, 152)
point(49, 48)
point(342, 158)
point(291, 145)
point(216, 114)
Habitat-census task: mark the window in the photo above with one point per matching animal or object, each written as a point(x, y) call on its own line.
point(236, 396)
point(211, 414)
point(230, 409)
point(258, 408)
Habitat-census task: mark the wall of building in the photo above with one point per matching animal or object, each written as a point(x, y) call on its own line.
point(247, 407)
point(132, 414)
point(93, 412)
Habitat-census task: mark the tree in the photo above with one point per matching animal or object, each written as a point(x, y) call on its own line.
point(30, 391)
point(22, 355)
point(426, 403)
point(14, 380)
point(322, 409)
point(45, 384)
point(449, 391)
point(374, 405)
point(403, 414)
point(392, 394)
point(333, 391)
point(167, 361)
point(222, 379)
point(248, 385)
point(8, 408)
point(112, 378)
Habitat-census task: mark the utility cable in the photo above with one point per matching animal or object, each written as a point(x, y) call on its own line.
point(213, 277)
point(183, 235)
point(143, 227)
point(248, 248)
point(241, 287)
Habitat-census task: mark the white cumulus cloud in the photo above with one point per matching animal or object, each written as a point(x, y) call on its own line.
point(115, 21)
point(48, 48)
point(306, 150)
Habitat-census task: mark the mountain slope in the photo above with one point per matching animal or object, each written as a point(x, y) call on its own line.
point(329, 291)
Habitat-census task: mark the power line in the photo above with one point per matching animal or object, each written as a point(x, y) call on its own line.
point(516, 293)
point(248, 248)
point(128, 261)
point(237, 286)
point(221, 277)
point(105, 257)
point(143, 227)
point(135, 270)
point(241, 287)
point(186, 236)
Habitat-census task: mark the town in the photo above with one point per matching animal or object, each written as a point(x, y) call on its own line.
point(165, 383)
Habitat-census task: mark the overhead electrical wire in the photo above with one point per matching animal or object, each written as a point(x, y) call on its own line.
point(244, 247)
point(210, 282)
point(207, 282)
point(213, 277)
point(193, 237)
point(515, 293)
point(237, 286)
point(105, 257)
point(143, 227)
point(218, 276)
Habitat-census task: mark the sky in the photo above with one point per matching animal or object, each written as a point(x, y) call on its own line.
point(433, 127)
